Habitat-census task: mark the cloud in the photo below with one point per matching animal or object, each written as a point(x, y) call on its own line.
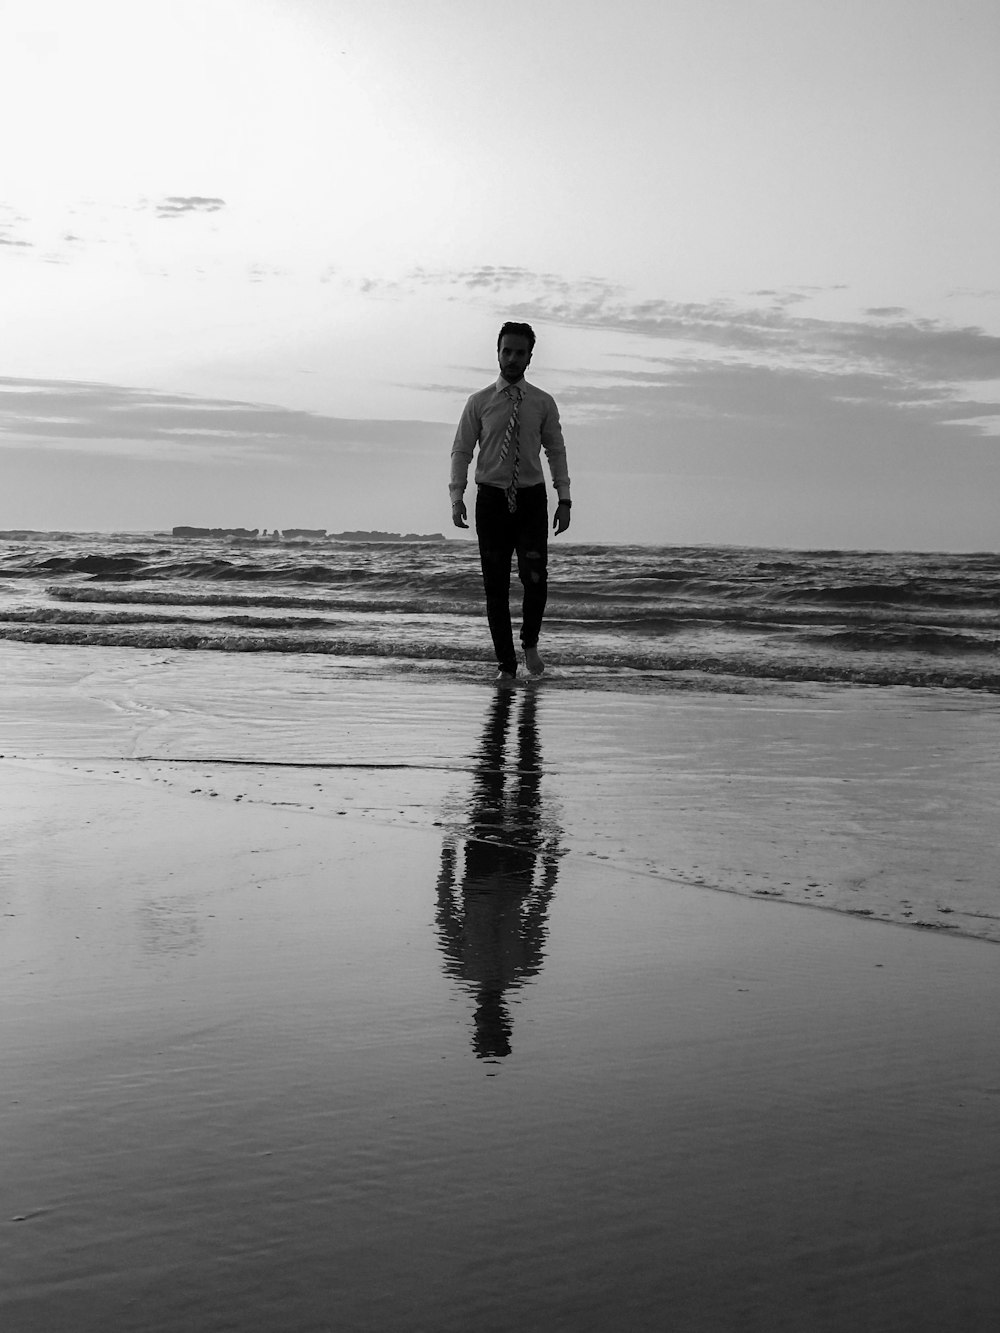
point(84, 455)
point(71, 415)
point(910, 345)
point(886, 342)
point(8, 219)
point(501, 279)
point(175, 205)
point(792, 400)
point(983, 293)
point(789, 296)
point(262, 272)
point(905, 361)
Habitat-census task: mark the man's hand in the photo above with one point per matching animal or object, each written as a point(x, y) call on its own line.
point(459, 514)
point(561, 521)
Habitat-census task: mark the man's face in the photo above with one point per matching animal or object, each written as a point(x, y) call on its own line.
point(514, 356)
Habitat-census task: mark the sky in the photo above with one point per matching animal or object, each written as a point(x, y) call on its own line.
point(254, 255)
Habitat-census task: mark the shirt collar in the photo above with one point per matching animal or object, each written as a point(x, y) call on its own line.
point(503, 385)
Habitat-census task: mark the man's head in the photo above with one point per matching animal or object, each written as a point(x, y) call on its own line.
point(514, 347)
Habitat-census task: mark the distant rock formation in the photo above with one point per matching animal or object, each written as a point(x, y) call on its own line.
point(307, 534)
point(45, 534)
point(387, 537)
point(215, 532)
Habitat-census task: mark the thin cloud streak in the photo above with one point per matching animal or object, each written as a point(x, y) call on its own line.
point(105, 418)
point(9, 219)
point(175, 206)
point(737, 392)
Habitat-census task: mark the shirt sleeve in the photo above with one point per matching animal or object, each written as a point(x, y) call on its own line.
point(466, 439)
point(555, 450)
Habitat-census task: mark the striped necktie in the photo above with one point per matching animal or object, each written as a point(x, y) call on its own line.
point(511, 442)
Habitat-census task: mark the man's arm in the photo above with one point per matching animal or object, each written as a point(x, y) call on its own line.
point(555, 452)
point(466, 439)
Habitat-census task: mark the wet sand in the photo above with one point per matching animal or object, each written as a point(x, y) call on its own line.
point(416, 1021)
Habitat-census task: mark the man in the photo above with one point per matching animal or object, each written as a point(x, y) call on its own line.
point(512, 422)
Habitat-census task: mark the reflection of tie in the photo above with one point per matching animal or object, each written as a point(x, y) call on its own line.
point(511, 441)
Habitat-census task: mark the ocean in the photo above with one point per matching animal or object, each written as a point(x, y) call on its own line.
point(636, 618)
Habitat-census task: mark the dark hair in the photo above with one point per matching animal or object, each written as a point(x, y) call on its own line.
point(517, 331)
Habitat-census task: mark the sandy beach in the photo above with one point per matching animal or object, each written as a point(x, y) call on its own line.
point(344, 1001)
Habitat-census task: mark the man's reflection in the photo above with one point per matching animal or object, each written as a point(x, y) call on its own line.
point(494, 891)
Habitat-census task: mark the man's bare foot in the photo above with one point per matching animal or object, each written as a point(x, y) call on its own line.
point(505, 680)
point(533, 662)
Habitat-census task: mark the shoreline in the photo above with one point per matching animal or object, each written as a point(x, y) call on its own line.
point(868, 801)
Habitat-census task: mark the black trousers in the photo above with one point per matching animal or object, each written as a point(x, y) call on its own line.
point(501, 534)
